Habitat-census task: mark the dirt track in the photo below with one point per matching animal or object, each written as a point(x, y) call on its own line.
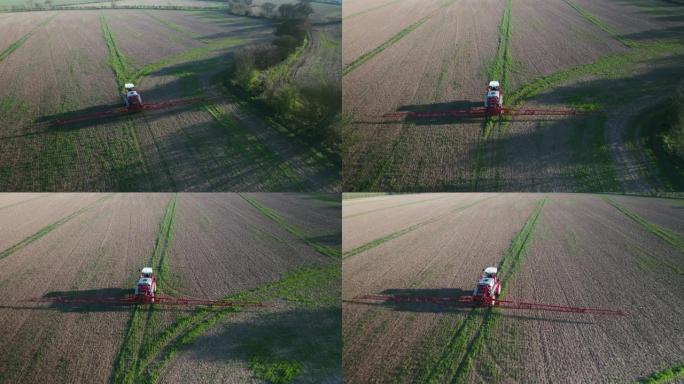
point(582, 252)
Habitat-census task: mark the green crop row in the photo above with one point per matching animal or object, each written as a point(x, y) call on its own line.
point(670, 237)
point(374, 243)
point(292, 229)
point(22, 202)
point(115, 59)
point(48, 228)
point(390, 2)
point(498, 70)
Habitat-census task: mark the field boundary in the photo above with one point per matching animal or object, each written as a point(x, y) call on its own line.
point(292, 229)
point(48, 228)
point(17, 44)
point(668, 236)
point(374, 243)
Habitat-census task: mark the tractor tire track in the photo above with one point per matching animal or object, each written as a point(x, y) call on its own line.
point(17, 44)
point(392, 40)
point(374, 243)
point(48, 228)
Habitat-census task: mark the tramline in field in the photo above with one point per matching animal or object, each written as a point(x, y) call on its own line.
point(486, 294)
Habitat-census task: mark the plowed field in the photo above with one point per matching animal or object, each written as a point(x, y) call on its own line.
point(62, 64)
point(213, 246)
point(613, 252)
point(435, 55)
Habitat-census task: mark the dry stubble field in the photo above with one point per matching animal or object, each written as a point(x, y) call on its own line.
point(615, 56)
point(579, 250)
point(66, 63)
point(242, 247)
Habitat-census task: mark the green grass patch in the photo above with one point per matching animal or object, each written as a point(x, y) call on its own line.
point(597, 22)
point(665, 376)
point(292, 229)
point(276, 372)
point(498, 70)
point(381, 240)
point(17, 44)
point(47, 229)
point(670, 237)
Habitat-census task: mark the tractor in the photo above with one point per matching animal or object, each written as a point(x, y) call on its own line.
point(146, 286)
point(488, 287)
point(493, 101)
point(132, 98)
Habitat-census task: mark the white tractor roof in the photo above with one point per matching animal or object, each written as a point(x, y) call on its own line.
point(493, 83)
point(129, 85)
point(490, 270)
point(145, 281)
point(147, 270)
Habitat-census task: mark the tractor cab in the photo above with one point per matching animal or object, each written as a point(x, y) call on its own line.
point(132, 98)
point(146, 286)
point(488, 287)
point(494, 97)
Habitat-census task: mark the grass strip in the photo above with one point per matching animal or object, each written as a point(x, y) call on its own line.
point(395, 206)
point(47, 229)
point(665, 376)
point(665, 234)
point(444, 368)
point(163, 242)
point(17, 44)
point(597, 22)
point(173, 26)
point(115, 59)
point(375, 51)
point(371, 9)
point(374, 243)
point(498, 70)
point(362, 195)
point(292, 229)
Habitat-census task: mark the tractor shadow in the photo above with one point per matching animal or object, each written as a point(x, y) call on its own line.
point(91, 307)
point(456, 307)
point(309, 339)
